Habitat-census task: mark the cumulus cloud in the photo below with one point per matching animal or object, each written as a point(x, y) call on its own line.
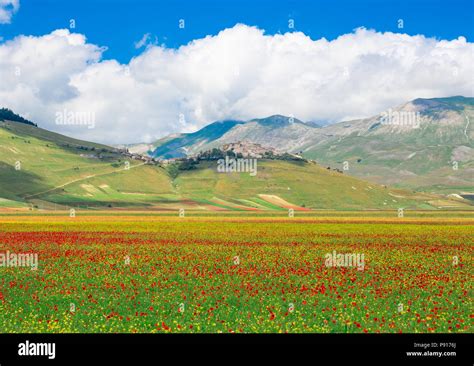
point(7, 9)
point(240, 73)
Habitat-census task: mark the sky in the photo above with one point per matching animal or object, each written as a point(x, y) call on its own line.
point(128, 71)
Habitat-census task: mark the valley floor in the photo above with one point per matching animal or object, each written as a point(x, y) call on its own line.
point(321, 272)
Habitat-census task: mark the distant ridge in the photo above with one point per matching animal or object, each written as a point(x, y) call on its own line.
point(413, 145)
point(44, 170)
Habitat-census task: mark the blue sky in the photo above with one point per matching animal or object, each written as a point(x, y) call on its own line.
point(118, 24)
point(234, 59)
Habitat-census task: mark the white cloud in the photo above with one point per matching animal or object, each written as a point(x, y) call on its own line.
point(7, 9)
point(146, 41)
point(239, 73)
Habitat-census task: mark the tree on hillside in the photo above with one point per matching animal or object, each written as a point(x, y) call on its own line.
point(8, 115)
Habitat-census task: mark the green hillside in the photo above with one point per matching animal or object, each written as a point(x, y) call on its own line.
point(53, 168)
point(45, 170)
point(436, 157)
point(302, 184)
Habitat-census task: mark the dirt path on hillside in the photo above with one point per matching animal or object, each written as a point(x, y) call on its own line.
point(81, 179)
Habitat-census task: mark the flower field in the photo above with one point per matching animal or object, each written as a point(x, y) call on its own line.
point(236, 274)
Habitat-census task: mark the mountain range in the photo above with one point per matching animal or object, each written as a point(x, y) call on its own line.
point(382, 162)
point(424, 144)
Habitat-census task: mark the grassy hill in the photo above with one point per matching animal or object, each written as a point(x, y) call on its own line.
point(49, 171)
point(292, 184)
point(53, 166)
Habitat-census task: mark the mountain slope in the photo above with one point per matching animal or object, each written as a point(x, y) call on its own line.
point(422, 153)
point(302, 184)
point(284, 133)
point(280, 132)
point(417, 145)
point(179, 146)
point(41, 167)
point(49, 170)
